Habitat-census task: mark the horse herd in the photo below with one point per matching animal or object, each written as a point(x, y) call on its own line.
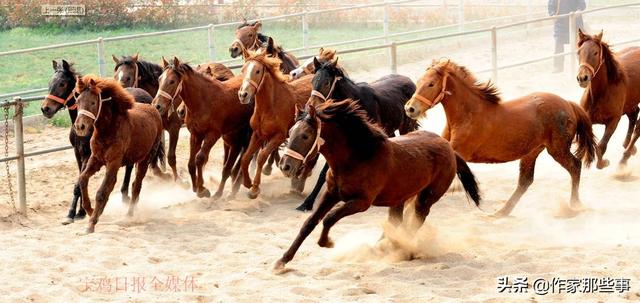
point(315, 108)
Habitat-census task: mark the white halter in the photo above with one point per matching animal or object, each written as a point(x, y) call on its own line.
point(89, 114)
point(323, 97)
point(170, 97)
point(315, 147)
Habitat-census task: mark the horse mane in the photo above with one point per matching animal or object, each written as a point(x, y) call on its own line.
point(120, 98)
point(363, 136)
point(614, 71)
point(148, 71)
point(487, 90)
point(272, 64)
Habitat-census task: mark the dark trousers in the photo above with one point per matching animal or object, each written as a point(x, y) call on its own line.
point(558, 62)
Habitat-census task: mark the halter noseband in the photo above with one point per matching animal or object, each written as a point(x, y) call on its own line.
point(323, 97)
point(314, 148)
point(89, 114)
point(243, 48)
point(590, 68)
point(253, 83)
point(170, 97)
point(63, 101)
point(441, 95)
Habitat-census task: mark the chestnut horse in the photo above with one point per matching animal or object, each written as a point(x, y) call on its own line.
point(483, 129)
point(212, 111)
point(612, 89)
point(249, 38)
point(368, 168)
point(275, 101)
point(125, 133)
point(61, 94)
point(308, 67)
point(211, 69)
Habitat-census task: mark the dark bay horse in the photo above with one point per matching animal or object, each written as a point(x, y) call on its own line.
point(124, 133)
point(368, 168)
point(612, 89)
point(213, 111)
point(249, 38)
point(275, 101)
point(383, 100)
point(61, 94)
point(483, 129)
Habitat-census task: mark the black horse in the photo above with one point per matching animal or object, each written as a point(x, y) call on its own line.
point(383, 100)
point(61, 94)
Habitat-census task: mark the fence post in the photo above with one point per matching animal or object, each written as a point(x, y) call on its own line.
point(305, 33)
point(101, 64)
point(461, 15)
point(17, 128)
point(393, 58)
point(573, 31)
point(385, 23)
point(494, 54)
point(212, 44)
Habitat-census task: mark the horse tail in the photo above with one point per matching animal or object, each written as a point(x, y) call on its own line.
point(158, 153)
point(468, 180)
point(584, 136)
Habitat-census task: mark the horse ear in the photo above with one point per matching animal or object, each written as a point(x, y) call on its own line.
point(334, 63)
point(165, 63)
point(270, 47)
point(135, 57)
point(65, 65)
point(321, 51)
point(92, 82)
point(115, 59)
point(298, 110)
point(316, 63)
point(209, 70)
point(176, 62)
point(79, 84)
point(55, 65)
point(598, 37)
point(257, 26)
point(581, 35)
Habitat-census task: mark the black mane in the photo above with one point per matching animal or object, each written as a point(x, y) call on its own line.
point(147, 71)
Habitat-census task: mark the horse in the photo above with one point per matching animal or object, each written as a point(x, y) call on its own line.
point(61, 94)
point(124, 133)
point(368, 168)
point(275, 100)
point(213, 111)
point(249, 38)
point(383, 100)
point(612, 89)
point(211, 69)
point(308, 67)
point(131, 71)
point(483, 129)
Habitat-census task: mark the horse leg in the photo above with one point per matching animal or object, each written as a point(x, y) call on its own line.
point(174, 134)
point(266, 170)
point(232, 156)
point(141, 171)
point(349, 208)
point(71, 215)
point(262, 158)
point(327, 201)
point(124, 190)
point(308, 202)
point(572, 164)
point(102, 196)
point(633, 118)
point(92, 167)
point(201, 159)
point(527, 167)
point(631, 148)
point(610, 127)
point(254, 144)
point(195, 143)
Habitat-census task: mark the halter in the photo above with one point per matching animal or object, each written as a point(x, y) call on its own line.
point(323, 97)
point(243, 48)
point(63, 101)
point(171, 98)
point(253, 83)
point(314, 148)
point(89, 114)
point(441, 95)
point(590, 68)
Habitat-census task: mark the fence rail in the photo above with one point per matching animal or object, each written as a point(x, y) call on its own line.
point(18, 102)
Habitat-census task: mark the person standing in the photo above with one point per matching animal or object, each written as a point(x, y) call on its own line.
point(561, 26)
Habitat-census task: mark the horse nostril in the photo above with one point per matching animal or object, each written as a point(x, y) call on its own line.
point(411, 110)
point(585, 78)
point(82, 127)
point(158, 106)
point(286, 168)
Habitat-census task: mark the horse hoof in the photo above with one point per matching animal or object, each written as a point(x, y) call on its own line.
point(253, 193)
point(67, 221)
point(79, 216)
point(247, 183)
point(502, 213)
point(327, 243)
point(204, 193)
point(633, 150)
point(304, 207)
point(266, 171)
point(88, 231)
point(602, 164)
point(278, 267)
point(217, 195)
point(126, 199)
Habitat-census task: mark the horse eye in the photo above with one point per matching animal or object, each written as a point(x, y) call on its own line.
point(171, 82)
point(128, 78)
point(62, 84)
point(258, 71)
point(431, 84)
point(305, 137)
point(595, 53)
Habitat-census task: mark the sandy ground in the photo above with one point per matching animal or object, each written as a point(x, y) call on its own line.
point(180, 248)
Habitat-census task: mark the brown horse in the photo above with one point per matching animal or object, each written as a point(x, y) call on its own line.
point(249, 38)
point(125, 133)
point(483, 129)
point(367, 168)
point(612, 83)
point(308, 67)
point(213, 112)
point(275, 101)
point(215, 70)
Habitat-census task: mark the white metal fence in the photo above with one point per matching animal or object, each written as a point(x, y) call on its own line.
point(18, 103)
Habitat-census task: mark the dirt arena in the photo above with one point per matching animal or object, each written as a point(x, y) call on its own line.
point(181, 248)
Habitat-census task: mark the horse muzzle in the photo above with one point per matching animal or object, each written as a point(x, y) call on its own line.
point(234, 51)
point(411, 111)
point(583, 80)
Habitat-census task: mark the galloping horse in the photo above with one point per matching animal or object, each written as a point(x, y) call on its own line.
point(211, 69)
point(125, 133)
point(213, 111)
point(383, 100)
point(275, 101)
point(249, 38)
point(483, 129)
point(612, 89)
point(61, 94)
point(308, 67)
point(368, 168)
